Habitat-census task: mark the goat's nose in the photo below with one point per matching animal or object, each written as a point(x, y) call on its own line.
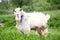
point(18, 15)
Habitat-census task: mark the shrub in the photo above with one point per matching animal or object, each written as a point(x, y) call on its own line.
point(3, 12)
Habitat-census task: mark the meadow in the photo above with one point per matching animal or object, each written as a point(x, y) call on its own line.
point(10, 32)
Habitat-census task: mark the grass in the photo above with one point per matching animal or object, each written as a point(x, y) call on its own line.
point(10, 32)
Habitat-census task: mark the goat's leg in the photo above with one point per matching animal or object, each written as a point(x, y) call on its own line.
point(42, 31)
point(45, 31)
point(38, 31)
point(26, 32)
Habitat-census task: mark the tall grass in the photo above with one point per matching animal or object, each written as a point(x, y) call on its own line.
point(10, 32)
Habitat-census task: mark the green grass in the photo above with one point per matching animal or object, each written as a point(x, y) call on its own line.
point(10, 32)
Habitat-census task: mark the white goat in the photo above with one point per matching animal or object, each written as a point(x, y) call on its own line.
point(36, 21)
point(22, 21)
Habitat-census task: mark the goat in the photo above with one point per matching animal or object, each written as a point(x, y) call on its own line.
point(31, 21)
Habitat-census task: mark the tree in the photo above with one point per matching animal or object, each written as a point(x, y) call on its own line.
point(4, 4)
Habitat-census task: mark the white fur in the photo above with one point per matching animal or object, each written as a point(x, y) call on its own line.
point(32, 19)
point(24, 26)
point(37, 19)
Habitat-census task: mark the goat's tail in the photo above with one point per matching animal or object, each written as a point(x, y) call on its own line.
point(48, 17)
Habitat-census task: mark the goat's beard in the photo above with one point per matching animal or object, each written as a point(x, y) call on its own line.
point(17, 23)
point(17, 15)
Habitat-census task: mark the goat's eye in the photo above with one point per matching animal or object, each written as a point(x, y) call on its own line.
point(20, 9)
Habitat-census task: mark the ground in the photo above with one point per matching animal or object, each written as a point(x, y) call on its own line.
point(10, 32)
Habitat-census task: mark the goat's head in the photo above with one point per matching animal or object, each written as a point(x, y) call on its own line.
point(18, 13)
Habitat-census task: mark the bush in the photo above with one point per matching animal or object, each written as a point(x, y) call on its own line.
point(3, 12)
point(25, 8)
point(8, 20)
point(39, 6)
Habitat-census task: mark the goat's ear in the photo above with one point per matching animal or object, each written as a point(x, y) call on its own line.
point(21, 9)
point(13, 10)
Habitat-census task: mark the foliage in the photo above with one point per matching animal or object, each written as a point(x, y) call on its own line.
point(4, 12)
point(8, 19)
point(31, 5)
point(4, 4)
point(10, 32)
point(37, 5)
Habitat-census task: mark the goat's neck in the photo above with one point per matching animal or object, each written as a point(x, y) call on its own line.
point(17, 23)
